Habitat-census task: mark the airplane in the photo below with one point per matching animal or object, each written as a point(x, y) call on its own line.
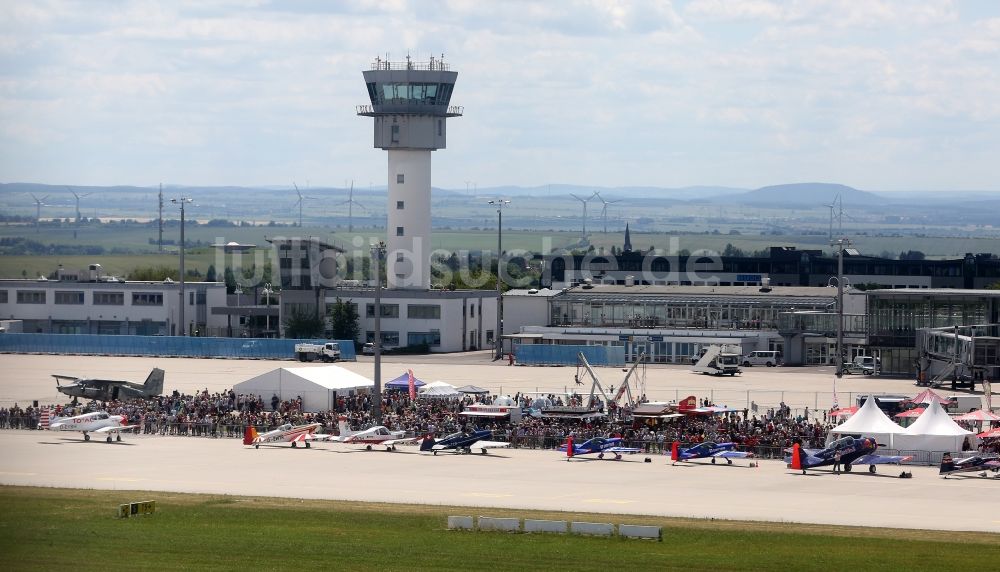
point(378, 435)
point(96, 422)
point(852, 452)
point(462, 442)
point(294, 433)
point(599, 445)
point(111, 389)
point(707, 449)
point(970, 465)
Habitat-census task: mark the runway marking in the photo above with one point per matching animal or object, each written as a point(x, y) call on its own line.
point(487, 495)
point(608, 501)
point(119, 479)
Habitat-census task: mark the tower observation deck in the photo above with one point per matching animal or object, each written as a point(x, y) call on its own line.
point(410, 104)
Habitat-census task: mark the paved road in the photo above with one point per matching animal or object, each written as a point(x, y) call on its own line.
point(508, 479)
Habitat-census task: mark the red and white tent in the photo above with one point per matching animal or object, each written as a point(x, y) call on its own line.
point(993, 433)
point(910, 413)
point(845, 412)
point(978, 415)
point(928, 396)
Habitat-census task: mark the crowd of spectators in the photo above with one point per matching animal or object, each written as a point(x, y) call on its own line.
point(227, 414)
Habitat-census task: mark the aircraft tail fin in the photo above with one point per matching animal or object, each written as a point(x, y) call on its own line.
point(675, 451)
point(569, 446)
point(154, 383)
point(250, 435)
point(427, 444)
point(797, 457)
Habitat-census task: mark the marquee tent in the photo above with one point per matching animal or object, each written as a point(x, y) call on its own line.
point(991, 434)
point(978, 415)
point(473, 389)
point(317, 386)
point(439, 390)
point(870, 421)
point(403, 382)
point(932, 431)
point(928, 396)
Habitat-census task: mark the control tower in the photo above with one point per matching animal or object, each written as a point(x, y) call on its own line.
point(409, 101)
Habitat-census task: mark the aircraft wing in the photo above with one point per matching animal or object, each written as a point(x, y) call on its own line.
point(881, 459)
point(402, 441)
point(111, 429)
point(489, 445)
point(629, 450)
point(318, 437)
point(733, 454)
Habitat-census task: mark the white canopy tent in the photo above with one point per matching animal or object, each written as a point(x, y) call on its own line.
point(439, 390)
point(870, 421)
point(316, 386)
point(934, 430)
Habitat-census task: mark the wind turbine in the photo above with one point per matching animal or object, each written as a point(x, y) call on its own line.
point(837, 203)
point(39, 203)
point(350, 202)
point(584, 201)
point(299, 202)
point(78, 197)
point(604, 209)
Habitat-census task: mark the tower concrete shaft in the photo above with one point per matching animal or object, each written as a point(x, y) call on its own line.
point(410, 105)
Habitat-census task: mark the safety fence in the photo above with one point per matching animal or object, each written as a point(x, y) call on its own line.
point(547, 354)
point(180, 346)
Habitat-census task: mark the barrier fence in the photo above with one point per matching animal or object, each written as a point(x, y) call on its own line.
point(182, 346)
point(547, 354)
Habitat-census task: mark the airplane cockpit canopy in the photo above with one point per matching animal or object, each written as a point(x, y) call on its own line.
point(843, 442)
point(285, 427)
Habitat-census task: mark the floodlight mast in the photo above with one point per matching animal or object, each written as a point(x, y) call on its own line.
point(498, 333)
point(182, 201)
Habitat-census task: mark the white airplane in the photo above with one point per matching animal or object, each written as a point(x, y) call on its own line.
point(96, 422)
point(378, 435)
point(293, 433)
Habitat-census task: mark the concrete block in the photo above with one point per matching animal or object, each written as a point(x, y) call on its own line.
point(639, 531)
point(592, 528)
point(499, 524)
point(460, 523)
point(531, 525)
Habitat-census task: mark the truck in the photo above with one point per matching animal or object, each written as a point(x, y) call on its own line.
point(329, 351)
point(720, 360)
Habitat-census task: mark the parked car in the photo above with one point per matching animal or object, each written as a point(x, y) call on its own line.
point(368, 349)
point(763, 357)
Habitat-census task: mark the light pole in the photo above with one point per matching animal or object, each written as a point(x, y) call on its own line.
point(239, 310)
point(840, 244)
point(378, 252)
point(182, 201)
point(498, 333)
point(267, 291)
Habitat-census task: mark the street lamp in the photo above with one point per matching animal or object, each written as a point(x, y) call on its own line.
point(182, 201)
point(267, 291)
point(498, 333)
point(840, 244)
point(239, 311)
point(378, 253)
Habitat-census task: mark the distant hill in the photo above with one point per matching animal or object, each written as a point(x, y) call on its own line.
point(609, 193)
point(805, 194)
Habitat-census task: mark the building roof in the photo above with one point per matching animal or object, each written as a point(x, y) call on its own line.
point(936, 292)
point(777, 295)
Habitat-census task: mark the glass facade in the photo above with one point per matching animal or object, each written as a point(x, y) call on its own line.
point(410, 93)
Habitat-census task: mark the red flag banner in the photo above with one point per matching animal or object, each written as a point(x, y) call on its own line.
point(413, 384)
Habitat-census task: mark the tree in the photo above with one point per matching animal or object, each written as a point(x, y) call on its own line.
point(153, 273)
point(912, 255)
point(303, 324)
point(344, 317)
point(229, 277)
point(210, 274)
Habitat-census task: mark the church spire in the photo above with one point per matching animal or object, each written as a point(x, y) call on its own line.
point(628, 240)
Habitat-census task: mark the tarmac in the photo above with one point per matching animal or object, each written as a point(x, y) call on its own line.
point(527, 479)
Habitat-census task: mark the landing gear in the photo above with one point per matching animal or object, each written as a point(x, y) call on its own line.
point(435, 453)
point(368, 447)
point(392, 448)
point(600, 455)
point(86, 437)
point(618, 457)
point(307, 444)
point(713, 460)
point(257, 446)
point(484, 451)
point(729, 461)
point(294, 444)
point(847, 467)
point(109, 438)
point(118, 438)
point(871, 469)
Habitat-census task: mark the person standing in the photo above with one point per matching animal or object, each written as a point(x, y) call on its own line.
point(836, 462)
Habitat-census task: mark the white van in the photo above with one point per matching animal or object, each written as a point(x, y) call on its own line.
point(763, 357)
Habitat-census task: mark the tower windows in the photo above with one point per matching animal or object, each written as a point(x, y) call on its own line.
point(399, 179)
point(399, 231)
point(399, 205)
point(395, 133)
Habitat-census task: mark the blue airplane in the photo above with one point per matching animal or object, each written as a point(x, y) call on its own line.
point(598, 445)
point(462, 442)
point(707, 449)
point(980, 463)
point(853, 451)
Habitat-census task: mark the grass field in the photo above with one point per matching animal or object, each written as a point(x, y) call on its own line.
point(49, 529)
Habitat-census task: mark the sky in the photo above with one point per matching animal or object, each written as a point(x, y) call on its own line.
point(878, 95)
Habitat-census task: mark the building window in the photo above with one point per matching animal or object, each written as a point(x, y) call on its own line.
point(399, 179)
point(399, 205)
point(390, 339)
point(395, 137)
point(472, 311)
point(423, 311)
point(147, 299)
point(3, 296)
point(388, 310)
point(489, 336)
point(399, 231)
point(69, 297)
point(400, 257)
point(109, 298)
point(431, 338)
point(31, 296)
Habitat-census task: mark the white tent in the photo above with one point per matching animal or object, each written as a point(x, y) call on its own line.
point(315, 385)
point(870, 421)
point(932, 431)
point(439, 390)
